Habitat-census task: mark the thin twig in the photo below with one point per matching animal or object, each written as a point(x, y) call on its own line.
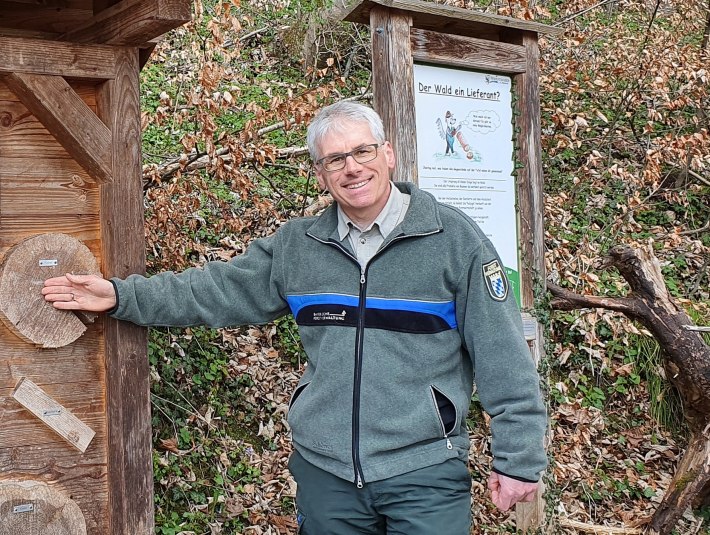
point(273, 186)
point(705, 227)
point(579, 13)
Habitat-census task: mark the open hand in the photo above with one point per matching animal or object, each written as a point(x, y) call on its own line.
point(80, 292)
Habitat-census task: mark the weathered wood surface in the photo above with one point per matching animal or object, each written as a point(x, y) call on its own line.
point(76, 363)
point(72, 123)
point(529, 178)
point(393, 87)
point(131, 22)
point(128, 387)
point(87, 229)
point(37, 17)
point(53, 414)
point(687, 363)
point(82, 398)
point(72, 60)
point(83, 477)
point(36, 186)
point(447, 19)
point(86, 90)
point(23, 269)
point(467, 52)
point(34, 508)
point(23, 136)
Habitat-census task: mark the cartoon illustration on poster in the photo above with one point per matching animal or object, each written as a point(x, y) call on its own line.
point(465, 151)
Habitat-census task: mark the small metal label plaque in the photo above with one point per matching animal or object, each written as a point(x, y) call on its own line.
point(25, 508)
point(48, 263)
point(52, 412)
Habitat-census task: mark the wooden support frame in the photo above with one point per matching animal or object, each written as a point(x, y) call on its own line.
point(405, 31)
point(75, 126)
point(69, 93)
point(131, 22)
point(71, 60)
point(128, 385)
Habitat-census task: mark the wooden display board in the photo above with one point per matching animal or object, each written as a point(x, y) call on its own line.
point(77, 417)
point(406, 33)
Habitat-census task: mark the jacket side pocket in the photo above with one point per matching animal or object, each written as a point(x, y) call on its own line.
point(446, 411)
point(296, 394)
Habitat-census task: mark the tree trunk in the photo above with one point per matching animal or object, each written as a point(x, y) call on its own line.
point(687, 361)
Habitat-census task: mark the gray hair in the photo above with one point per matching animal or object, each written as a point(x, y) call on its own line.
point(330, 119)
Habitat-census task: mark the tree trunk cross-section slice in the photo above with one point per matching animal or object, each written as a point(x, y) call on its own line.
point(23, 271)
point(34, 508)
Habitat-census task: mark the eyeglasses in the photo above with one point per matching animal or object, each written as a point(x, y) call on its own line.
point(336, 162)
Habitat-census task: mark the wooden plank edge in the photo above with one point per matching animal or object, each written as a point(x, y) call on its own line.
point(53, 414)
point(360, 13)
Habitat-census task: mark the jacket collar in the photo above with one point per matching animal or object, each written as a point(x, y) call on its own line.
point(422, 216)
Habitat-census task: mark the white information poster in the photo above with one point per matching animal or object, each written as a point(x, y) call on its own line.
point(465, 151)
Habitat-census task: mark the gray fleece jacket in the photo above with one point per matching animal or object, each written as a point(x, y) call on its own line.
point(392, 351)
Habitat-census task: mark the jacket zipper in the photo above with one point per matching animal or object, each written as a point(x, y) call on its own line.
point(357, 379)
point(449, 446)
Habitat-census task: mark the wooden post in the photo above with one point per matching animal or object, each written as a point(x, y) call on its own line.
point(530, 199)
point(127, 372)
point(393, 83)
point(529, 175)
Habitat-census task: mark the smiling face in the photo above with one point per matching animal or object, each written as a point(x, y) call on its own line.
point(360, 189)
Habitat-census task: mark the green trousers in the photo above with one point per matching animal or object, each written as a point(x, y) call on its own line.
point(428, 501)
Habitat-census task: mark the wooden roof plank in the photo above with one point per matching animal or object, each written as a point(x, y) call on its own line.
point(53, 101)
point(55, 18)
point(446, 19)
point(92, 62)
point(131, 22)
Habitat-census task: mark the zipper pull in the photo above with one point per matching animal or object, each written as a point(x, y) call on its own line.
point(362, 276)
point(449, 446)
point(359, 481)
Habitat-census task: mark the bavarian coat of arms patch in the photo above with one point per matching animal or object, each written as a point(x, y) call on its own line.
point(496, 281)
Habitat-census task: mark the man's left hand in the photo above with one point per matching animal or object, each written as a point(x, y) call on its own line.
point(506, 491)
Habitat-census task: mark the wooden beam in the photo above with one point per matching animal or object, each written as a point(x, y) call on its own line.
point(52, 100)
point(447, 19)
point(529, 181)
point(393, 87)
point(467, 52)
point(93, 62)
point(131, 22)
point(40, 17)
point(127, 372)
point(529, 175)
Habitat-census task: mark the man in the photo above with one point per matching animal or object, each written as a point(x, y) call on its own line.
point(399, 301)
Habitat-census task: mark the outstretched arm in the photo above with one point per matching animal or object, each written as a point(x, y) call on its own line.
point(80, 292)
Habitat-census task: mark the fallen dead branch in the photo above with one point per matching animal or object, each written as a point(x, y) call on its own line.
point(687, 364)
point(599, 530)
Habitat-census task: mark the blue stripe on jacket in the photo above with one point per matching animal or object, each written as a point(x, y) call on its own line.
point(445, 310)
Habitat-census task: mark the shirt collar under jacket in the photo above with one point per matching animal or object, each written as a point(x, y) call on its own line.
point(386, 220)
